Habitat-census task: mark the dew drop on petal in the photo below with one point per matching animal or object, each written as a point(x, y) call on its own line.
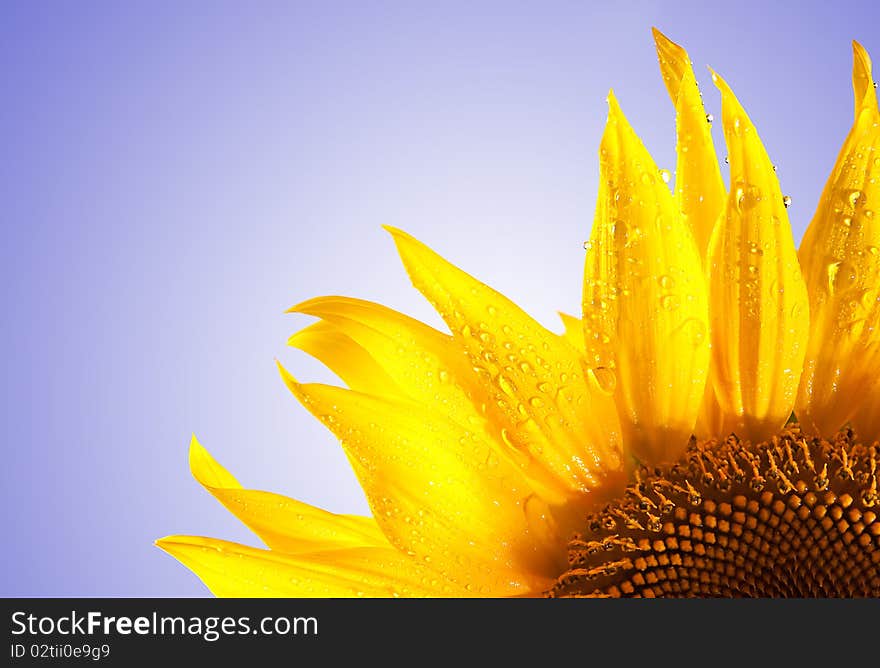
point(605, 378)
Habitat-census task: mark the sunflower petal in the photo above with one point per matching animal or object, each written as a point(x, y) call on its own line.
point(866, 419)
point(437, 490)
point(421, 363)
point(840, 254)
point(699, 189)
point(574, 331)
point(545, 410)
point(282, 523)
point(863, 81)
point(645, 311)
point(344, 357)
point(238, 571)
point(758, 305)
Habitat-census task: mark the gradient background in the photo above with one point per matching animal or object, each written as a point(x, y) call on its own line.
point(173, 178)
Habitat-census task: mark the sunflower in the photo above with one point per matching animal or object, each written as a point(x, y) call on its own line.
point(652, 448)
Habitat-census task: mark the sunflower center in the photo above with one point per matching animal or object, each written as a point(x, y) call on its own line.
point(788, 517)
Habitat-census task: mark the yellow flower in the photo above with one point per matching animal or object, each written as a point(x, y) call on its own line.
point(645, 451)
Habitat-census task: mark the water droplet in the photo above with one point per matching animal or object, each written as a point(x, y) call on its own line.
point(507, 386)
point(669, 302)
point(786, 201)
point(726, 160)
point(588, 245)
point(666, 282)
point(665, 175)
point(854, 197)
point(709, 118)
point(605, 378)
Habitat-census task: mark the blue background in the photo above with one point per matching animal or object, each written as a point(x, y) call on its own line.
point(174, 175)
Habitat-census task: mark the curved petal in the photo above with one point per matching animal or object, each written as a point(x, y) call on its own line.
point(546, 411)
point(840, 254)
point(422, 363)
point(439, 492)
point(699, 189)
point(344, 357)
point(758, 300)
point(283, 523)
point(238, 571)
point(863, 82)
point(645, 311)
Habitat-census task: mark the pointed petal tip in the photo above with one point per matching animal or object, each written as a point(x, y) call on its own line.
point(661, 41)
point(172, 544)
point(716, 78)
point(400, 237)
point(312, 305)
point(614, 110)
point(284, 372)
point(395, 232)
point(166, 543)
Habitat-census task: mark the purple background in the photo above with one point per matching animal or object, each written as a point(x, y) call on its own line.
point(172, 179)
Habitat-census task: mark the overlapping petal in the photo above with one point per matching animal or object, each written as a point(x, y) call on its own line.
point(645, 311)
point(840, 254)
point(419, 362)
point(346, 358)
point(699, 189)
point(238, 571)
point(440, 492)
point(758, 300)
point(547, 410)
point(283, 523)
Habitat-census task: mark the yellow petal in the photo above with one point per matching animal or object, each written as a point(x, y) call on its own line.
point(645, 311)
point(282, 523)
point(238, 571)
point(758, 300)
point(574, 331)
point(438, 491)
point(544, 408)
point(866, 420)
point(342, 355)
point(710, 420)
point(421, 363)
point(863, 81)
point(840, 255)
point(699, 189)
